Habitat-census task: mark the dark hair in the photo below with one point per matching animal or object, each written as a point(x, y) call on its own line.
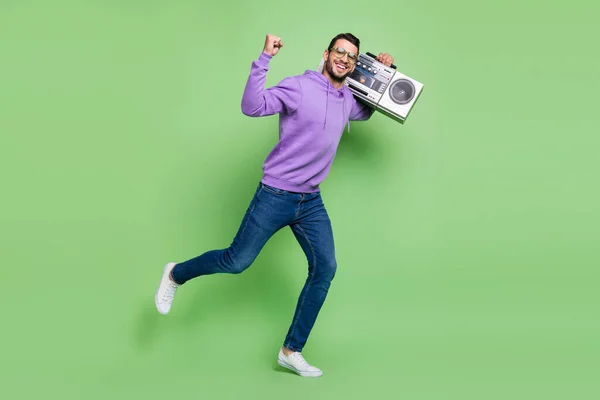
point(347, 36)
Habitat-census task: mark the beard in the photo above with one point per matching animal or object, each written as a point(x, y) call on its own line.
point(334, 73)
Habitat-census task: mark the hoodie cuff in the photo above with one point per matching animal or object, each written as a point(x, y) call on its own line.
point(264, 57)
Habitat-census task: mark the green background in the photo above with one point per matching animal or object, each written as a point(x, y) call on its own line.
point(466, 238)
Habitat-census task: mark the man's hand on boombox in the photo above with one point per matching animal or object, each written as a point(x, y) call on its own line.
point(272, 44)
point(385, 59)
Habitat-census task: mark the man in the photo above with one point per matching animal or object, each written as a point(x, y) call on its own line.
point(314, 109)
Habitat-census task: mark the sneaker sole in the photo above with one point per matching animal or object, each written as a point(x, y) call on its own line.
point(166, 269)
point(305, 374)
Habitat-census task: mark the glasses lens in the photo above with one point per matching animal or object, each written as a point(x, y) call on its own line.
point(340, 51)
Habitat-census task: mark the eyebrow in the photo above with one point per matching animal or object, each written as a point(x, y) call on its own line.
point(353, 52)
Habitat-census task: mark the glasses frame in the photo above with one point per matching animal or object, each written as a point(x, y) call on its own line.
point(335, 50)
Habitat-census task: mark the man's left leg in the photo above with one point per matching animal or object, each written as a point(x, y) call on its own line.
point(313, 231)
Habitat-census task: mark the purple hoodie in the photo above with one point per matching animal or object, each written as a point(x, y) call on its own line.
point(312, 118)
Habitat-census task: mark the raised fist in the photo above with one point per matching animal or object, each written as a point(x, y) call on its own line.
point(272, 44)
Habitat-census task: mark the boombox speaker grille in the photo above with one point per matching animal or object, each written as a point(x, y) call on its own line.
point(402, 91)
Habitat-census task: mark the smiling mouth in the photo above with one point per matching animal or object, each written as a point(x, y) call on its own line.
point(341, 67)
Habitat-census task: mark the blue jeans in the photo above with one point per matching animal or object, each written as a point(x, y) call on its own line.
point(270, 210)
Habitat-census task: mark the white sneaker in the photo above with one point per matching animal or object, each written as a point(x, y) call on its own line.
point(298, 364)
point(166, 290)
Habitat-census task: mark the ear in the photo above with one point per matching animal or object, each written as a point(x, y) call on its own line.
point(325, 55)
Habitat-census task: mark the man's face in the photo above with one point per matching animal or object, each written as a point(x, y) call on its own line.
point(339, 66)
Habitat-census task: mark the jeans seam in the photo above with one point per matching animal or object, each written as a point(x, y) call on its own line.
point(249, 215)
point(275, 191)
point(247, 219)
point(295, 322)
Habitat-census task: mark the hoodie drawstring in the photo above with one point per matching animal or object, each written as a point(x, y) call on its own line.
point(327, 105)
point(345, 114)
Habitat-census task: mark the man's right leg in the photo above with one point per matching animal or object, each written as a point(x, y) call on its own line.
point(265, 215)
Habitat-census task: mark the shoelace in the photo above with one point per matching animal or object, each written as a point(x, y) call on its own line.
point(299, 357)
point(170, 292)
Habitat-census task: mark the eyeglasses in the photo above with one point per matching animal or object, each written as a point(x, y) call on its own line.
point(340, 51)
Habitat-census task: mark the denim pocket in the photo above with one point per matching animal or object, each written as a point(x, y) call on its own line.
point(272, 189)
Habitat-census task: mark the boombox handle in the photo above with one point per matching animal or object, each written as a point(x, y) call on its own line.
point(374, 56)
